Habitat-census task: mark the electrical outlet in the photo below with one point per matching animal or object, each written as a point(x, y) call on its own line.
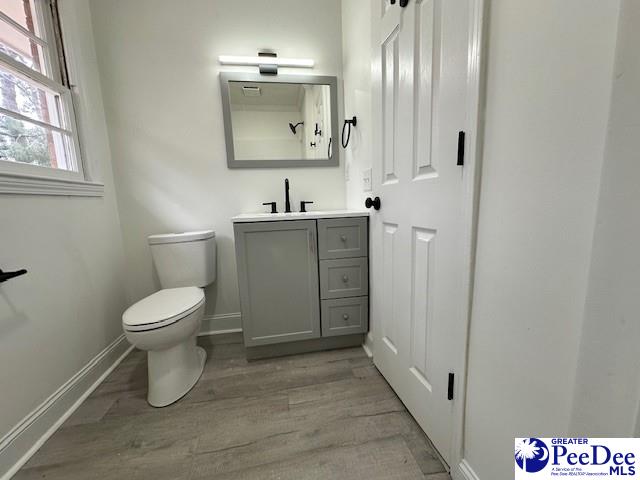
point(366, 180)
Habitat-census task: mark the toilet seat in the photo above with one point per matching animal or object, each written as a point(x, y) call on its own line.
point(162, 308)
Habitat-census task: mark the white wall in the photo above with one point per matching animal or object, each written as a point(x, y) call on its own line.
point(356, 48)
point(68, 307)
point(607, 391)
point(159, 72)
point(548, 88)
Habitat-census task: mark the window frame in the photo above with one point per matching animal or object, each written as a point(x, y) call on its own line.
point(22, 178)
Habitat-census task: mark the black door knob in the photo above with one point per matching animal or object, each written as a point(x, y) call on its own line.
point(375, 203)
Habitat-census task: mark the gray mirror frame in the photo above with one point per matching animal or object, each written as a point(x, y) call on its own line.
point(226, 77)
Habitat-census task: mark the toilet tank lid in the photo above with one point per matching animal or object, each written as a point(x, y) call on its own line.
point(181, 237)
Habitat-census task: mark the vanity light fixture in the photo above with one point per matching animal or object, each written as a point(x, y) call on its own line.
point(257, 61)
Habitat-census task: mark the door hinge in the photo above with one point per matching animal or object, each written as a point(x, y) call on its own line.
point(461, 136)
point(450, 387)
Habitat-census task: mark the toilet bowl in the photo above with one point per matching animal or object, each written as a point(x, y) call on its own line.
point(166, 323)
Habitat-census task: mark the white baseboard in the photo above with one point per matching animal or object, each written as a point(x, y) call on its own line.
point(222, 323)
point(19, 445)
point(464, 472)
point(368, 345)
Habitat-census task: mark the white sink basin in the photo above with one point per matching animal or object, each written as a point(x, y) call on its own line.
point(272, 217)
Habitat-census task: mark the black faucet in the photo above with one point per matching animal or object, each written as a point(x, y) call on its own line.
point(287, 203)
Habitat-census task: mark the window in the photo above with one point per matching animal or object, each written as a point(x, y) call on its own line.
point(38, 135)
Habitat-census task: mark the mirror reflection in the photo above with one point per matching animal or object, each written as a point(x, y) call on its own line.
point(280, 121)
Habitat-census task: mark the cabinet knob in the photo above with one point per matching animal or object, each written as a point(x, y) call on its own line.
point(345, 317)
point(345, 279)
point(343, 238)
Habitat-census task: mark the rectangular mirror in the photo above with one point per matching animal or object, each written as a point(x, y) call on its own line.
point(280, 120)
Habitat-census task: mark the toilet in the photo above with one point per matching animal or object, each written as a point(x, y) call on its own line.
point(166, 323)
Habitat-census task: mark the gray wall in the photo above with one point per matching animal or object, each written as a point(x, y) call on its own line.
point(159, 72)
point(69, 306)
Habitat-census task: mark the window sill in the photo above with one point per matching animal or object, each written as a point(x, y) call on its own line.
point(15, 184)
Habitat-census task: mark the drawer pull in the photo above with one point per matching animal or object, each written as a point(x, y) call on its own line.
point(345, 317)
point(343, 238)
point(345, 279)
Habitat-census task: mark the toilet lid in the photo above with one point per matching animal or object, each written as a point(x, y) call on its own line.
point(162, 308)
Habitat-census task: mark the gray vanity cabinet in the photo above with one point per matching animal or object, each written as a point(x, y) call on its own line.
point(278, 279)
point(303, 283)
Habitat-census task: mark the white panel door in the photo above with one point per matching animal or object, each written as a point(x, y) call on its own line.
point(418, 269)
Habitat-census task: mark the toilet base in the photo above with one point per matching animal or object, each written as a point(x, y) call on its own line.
point(174, 372)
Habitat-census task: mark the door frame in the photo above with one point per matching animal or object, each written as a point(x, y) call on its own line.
point(475, 118)
point(474, 130)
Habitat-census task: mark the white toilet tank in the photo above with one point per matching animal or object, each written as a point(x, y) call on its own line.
point(185, 259)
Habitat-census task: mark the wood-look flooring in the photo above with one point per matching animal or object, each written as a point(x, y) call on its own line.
point(321, 415)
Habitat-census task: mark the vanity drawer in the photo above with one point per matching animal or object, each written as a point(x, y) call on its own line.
point(342, 237)
point(345, 277)
point(344, 316)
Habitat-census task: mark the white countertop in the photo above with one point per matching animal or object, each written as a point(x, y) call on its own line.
point(271, 217)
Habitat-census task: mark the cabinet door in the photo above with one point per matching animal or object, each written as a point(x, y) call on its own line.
point(278, 280)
